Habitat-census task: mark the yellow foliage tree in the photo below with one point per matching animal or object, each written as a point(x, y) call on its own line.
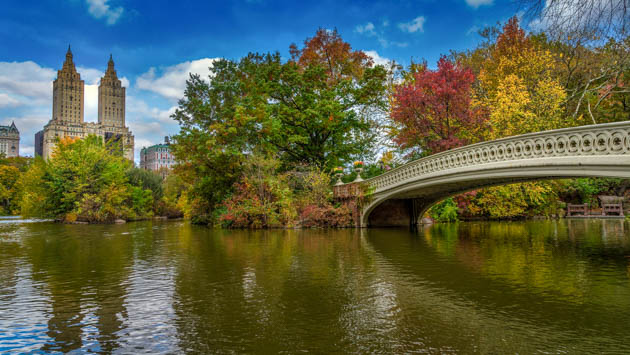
point(518, 87)
point(516, 110)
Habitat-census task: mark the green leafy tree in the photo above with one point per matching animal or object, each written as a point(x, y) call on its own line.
point(445, 211)
point(317, 121)
point(219, 120)
point(310, 110)
point(9, 176)
point(86, 180)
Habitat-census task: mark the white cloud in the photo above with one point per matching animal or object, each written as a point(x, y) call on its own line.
point(90, 103)
point(371, 31)
point(473, 30)
point(26, 82)
point(90, 76)
point(415, 25)
point(378, 60)
point(101, 9)
point(477, 3)
point(149, 124)
point(8, 101)
point(27, 125)
point(367, 29)
point(140, 108)
point(170, 82)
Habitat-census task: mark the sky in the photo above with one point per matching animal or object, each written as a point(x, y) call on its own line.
point(156, 44)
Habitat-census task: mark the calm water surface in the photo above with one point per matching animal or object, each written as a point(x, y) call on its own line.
point(151, 287)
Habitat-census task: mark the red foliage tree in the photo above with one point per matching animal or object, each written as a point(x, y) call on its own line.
point(329, 50)
point(434, 109)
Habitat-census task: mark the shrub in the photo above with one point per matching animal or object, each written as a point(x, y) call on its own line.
point(326, 216)
point(445, 211)
point(84, 180)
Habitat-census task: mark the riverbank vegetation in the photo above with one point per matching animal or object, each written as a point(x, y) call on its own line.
point(329, 105)
point(261, 136)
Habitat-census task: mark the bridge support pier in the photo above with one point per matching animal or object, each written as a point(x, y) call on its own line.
point(415, 209)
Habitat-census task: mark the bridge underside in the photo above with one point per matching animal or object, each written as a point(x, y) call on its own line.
point(408, 201)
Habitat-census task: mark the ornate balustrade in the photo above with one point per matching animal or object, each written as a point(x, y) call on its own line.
point(345, 191)
point(601, 139)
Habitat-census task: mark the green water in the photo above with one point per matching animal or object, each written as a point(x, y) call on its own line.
point(169, 287)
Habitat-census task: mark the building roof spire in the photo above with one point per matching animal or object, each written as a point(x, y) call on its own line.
point(68, 62)
point(111, 71)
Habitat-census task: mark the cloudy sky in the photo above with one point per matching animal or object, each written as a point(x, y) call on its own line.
point(155, 44)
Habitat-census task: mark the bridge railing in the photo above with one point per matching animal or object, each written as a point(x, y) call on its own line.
point(600, 139)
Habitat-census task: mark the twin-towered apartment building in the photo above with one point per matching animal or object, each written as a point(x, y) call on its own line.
point(68, 119)
point(68, 111)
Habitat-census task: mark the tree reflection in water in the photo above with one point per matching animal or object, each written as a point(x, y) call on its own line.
point(555, 286)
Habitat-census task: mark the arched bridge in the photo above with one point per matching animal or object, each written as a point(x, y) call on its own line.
point(401, 195)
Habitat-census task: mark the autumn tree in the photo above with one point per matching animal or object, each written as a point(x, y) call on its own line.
point(11, 171)
point(435, 110)
point(9, 176)
point(328, 50)
point(85, 180)
point(311, 110)
point(518, 86)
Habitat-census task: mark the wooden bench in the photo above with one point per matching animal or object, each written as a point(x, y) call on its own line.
point(573, 209)
point(615, 208)
point(611, 204)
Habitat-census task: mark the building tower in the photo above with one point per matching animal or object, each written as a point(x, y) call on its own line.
point(67, 120)
point(68, 93)
point(9, 141)
point(111, 99)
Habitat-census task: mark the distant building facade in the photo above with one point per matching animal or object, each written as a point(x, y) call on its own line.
point(157, 158)
point(9, 141)
point(68, 110)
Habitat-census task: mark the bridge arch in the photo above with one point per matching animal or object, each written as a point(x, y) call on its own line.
point(588, 151)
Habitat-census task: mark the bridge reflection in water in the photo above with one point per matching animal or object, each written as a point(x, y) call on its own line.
point(401, 195)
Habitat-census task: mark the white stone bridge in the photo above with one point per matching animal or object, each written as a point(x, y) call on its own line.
point(401, 195)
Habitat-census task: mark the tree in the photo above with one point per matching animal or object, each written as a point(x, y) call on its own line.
point(311, 110)
point(328, 50)
point(581, 18)
point(317, 121)
point(9, 176)
point(435, 110)
point(85, 179)
point(219, 123)
point(517, 85)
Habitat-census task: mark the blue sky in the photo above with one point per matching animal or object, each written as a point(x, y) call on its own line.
point(155, 44)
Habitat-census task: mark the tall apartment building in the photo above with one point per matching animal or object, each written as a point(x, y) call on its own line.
point(68, 110)
point(157, 158)
point(9, 141)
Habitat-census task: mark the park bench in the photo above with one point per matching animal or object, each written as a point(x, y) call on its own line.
point(615, 208)
point(611, 205)
point(573, 209)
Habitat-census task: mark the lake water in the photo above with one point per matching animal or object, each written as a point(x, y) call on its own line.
point(169, 287)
